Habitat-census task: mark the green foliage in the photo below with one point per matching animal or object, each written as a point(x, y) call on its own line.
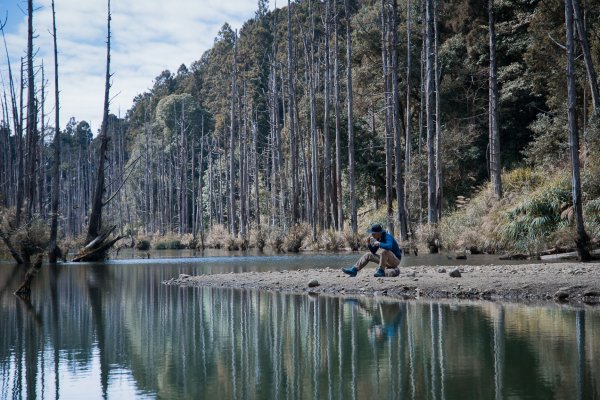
point(550, 144)
point(532, 221)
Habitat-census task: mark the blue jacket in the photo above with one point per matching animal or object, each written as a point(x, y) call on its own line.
point(388, 242)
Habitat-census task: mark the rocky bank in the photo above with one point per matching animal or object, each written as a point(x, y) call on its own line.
point(561, 282)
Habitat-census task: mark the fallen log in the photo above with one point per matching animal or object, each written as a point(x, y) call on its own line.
point(97, 254)
point(24, 291)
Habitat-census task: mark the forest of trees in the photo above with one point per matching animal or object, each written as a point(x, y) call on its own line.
point(316, 115)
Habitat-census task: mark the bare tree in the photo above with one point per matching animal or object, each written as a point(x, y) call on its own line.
point(585, 48)
point(54, 251)
point(582, 238)
point(232, 205)
point(292, 127)
point(494, 134)
point(326, 141)
point(31, 153)
point(338, 134)
point(351, 161)
point(96, 240)
point(388, 137)
point(432, 214)
point(397, 121)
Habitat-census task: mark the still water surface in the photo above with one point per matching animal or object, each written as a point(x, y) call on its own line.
point(114, 331)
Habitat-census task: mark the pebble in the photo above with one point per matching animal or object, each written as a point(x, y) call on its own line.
point(441, 270)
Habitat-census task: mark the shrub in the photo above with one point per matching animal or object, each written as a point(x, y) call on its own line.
point(142, 244)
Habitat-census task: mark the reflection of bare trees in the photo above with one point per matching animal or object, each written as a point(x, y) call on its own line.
point(211, 343)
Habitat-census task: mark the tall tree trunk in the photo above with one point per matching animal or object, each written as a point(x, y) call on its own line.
point(326, 144)
point(388, 137)
point(432, 214)
point(398, 118)
point(200, 186)
point(97, 205)
point(351, 160)
point(256, 177)
point(439, 187)
point(338, 133)
point(585, 48)
point(582, 238)
point(31, 119)
point(54, 251)
point(495, 171)
point(21, 153)
point(292, 102)
point(408, 142)
point(232, 207)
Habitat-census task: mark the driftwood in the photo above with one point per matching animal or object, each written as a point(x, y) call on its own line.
point(24, 290)
point(13, 252)
point(96, 250)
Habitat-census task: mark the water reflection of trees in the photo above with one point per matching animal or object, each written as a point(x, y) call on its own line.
point(192, 343)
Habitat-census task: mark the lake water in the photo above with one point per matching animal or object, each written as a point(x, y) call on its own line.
point(113, 330)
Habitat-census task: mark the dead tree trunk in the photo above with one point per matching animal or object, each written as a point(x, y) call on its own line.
point(351, 160)
point(338, 134)
point(494, 133)
point(397, 110)
point(385, 60)
point(96, 249)
point(585, 48)
point(432, 215)
point(326, 143)
point(54, 251)
point(31, 119)
point(232, 206)
point(292, 128)
point(582, 238)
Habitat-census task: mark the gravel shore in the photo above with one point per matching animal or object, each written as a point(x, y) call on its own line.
point(562, 282)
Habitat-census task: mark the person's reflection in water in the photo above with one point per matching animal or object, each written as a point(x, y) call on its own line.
point(386, 318)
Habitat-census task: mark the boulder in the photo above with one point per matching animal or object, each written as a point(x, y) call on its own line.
point(455, 273)
point(313, 283)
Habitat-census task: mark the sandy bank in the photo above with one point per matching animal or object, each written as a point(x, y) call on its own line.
point(565, 282)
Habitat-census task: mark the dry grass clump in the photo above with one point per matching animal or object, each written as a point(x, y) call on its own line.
point(218, 237)
point(295, 237)
point(168, 242)
point(331, 240)
point(356, 241)
point(276, 239)
point(258, 237)
point(428, 238)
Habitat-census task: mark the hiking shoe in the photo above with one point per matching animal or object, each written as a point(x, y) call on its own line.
point(379, 273)
point(352, 271)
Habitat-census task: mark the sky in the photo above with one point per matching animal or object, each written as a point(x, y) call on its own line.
point(148, 36)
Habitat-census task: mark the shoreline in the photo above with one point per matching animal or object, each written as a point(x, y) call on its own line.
point(572, 282)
